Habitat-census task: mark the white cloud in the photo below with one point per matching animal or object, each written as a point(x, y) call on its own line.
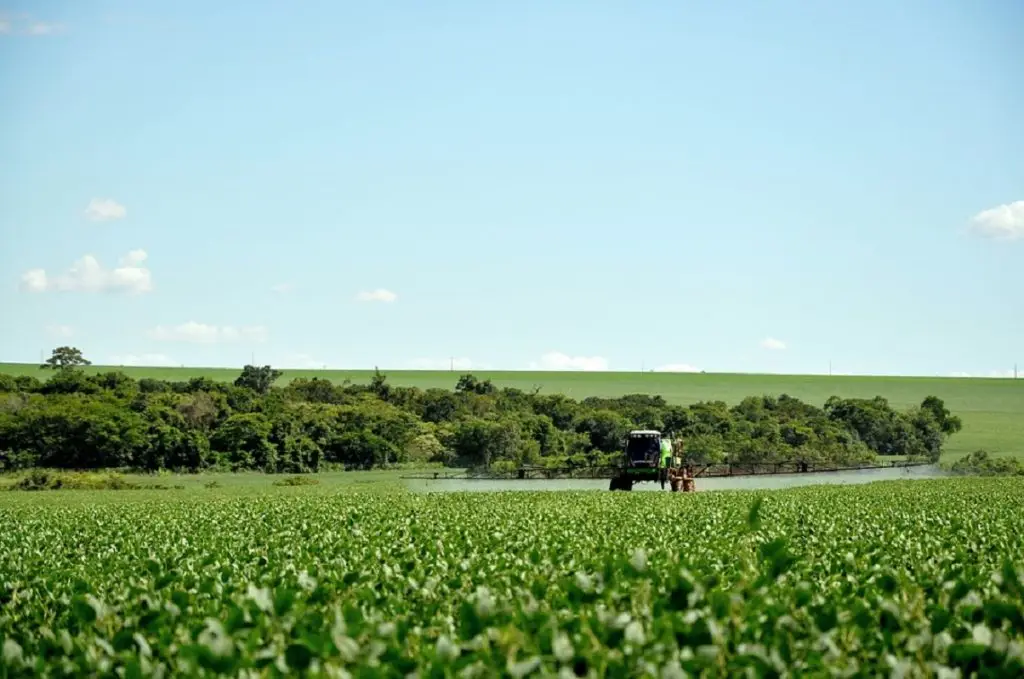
point(134, 258)
point(554, 360)
point(158, 360)
point(677, 368)
point(104, 209)
point(23, 24)
point(773, 344)
point(33, 280)
point(202, 333)
point(43, 28)
point(301, 362)
point(282, 288)
point(88, 275)
point(378, 295)
point(458, 363)
point(991, 373)
point(56, 330)
point(1003, 222)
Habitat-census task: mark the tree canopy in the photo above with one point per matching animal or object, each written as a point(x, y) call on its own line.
point(79, 420)
point(65, 357)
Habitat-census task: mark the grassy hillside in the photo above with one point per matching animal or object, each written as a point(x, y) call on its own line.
point(992, 409)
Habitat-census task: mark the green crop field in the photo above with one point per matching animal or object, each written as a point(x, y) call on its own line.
point(907, 579)
point(992, 409)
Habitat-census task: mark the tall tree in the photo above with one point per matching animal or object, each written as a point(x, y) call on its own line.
point(258, 379)
point(64, 358)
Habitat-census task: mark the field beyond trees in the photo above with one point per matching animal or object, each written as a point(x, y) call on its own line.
point(991, 410)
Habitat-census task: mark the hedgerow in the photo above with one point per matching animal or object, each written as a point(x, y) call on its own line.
point(79, 421)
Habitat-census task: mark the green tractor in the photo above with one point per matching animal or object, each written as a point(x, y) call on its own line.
point(648, 457)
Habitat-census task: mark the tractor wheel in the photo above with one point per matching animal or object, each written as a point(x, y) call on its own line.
point(621, 483)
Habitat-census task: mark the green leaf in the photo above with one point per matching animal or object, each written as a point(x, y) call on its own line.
point(180, 599)
point(83, 610)
point(963, 653)
point(754, 514)
point(298, 656)
point(124, 640)
point(284, 597)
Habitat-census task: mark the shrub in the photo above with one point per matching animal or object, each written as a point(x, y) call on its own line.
point(297, 481)
point(979, 462)
point(45, 479)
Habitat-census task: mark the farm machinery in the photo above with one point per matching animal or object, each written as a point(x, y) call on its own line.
point(649, 456)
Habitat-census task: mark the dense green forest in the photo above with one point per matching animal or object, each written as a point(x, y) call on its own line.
point(74, 420)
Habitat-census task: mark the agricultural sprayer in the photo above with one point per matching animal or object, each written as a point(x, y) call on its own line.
point(649, 456)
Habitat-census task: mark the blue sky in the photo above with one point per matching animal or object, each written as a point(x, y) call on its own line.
point(729, 186)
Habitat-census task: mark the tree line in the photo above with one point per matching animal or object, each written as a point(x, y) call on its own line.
point(75, 420)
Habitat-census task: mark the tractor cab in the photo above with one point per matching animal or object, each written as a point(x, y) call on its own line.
point(648, 457)
point(643, 449)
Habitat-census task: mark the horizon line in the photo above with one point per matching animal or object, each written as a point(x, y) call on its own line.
point(529, 371)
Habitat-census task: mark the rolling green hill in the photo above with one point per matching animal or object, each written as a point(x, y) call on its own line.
point(992, 409)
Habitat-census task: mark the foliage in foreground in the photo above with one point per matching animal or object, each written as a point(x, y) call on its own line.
point(917, 578)
point(80, 421)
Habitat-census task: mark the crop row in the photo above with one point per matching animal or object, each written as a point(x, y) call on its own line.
point(914, 578)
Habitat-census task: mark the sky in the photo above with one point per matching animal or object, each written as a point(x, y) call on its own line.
point(721, 186)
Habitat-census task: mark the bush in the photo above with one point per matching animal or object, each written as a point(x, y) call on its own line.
point(425, 448)
point(297, 481)
point(45, 479)
point(979, 462)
